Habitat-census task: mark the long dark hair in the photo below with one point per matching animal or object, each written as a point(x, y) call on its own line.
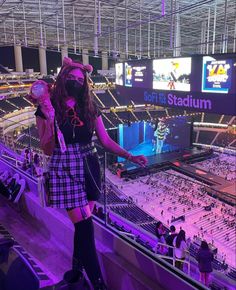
point(59, 94)
point(180, 238)
point(204, 245)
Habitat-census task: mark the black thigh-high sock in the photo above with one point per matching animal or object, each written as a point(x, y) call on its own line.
point(77, 259)
point(76, 273)
point(86, 243)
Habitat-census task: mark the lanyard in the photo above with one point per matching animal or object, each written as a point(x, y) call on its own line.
point(60, 137)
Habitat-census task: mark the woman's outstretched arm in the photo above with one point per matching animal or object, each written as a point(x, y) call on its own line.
point(113, 147)
point(46, 135)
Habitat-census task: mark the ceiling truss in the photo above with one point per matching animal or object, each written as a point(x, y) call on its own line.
point(141, 28)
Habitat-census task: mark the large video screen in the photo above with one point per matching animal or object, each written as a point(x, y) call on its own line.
point(137, 74)
point(149, 138)
point(172, 74)
point(216, 75)
point(203, 83)
point(119, 74)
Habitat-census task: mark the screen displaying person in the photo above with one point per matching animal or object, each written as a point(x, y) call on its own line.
point(173, 75)
point(160, 134)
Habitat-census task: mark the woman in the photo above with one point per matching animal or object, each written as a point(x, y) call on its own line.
point(180, 245)
point(160, 232)
point(37, 169)
point(205, 258)
point(74, 176)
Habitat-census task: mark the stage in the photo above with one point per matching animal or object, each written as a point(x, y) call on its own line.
point(162, 160)
point(178, 160)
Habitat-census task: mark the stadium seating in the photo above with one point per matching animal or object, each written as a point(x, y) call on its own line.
point(112, 198)
point(123, 101)
point(98, 79)
point(132, 213)
point(7, 107)
point(232, 274)
point(126, 117)
point(149, 227)
point(12, 83)
point(3, 70)
point(206, 137)
point(112, 117)
point(26, 140)
point(224, 139)
point(20, 102)
point(142, 116)
point(226, 119)
point(27, 81)
point(211, 118)
point(107, 99)
point(157, 114)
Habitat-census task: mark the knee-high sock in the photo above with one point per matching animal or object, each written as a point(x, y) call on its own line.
point(77, 263)
point(88, 253)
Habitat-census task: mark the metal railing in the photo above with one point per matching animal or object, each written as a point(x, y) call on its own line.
point(173, 259)
point(164, 257)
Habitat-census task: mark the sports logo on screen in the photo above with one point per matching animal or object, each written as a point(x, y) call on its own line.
point(216, 75)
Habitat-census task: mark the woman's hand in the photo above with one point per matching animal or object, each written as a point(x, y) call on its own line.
point(138, 159)
point(40, 94)
point(47, 109)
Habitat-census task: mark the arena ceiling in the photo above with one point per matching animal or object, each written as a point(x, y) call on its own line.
point(137, 27)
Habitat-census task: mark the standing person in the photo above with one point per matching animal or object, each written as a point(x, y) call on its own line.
point(170, 238)
point(27, 160)
point(160, 232)
point(205, 258)
point(180, 245)
point(160, 132)
point(74, 173)
point(37, 169)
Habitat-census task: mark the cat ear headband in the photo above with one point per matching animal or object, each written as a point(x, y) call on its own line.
point(69, 62)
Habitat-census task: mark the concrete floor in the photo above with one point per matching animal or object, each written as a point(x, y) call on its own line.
point(53, 259)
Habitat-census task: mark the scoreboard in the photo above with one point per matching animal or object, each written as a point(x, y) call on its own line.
point(202, 82)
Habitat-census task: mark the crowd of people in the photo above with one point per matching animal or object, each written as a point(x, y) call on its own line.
point(178, 249)
point(221, 164)
point(32, 162)
point(174, 198)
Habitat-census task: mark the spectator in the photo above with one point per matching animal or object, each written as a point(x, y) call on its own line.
point(160, 232)
point(26, 162)
point(37, 169)
point(100, 214)
point(180, 249)
point(169, 240)
point(95, 210)
point(204, 258)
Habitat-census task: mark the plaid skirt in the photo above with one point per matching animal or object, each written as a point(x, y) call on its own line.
point(70, 181)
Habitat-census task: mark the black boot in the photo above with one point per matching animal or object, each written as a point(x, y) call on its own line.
point(86, 243)
point(76, 273)
point(73, 276)
point(99, 285)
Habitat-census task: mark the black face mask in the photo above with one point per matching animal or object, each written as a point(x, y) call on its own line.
point(75, 89)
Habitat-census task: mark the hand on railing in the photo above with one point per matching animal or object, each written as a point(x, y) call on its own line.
point(138, 159)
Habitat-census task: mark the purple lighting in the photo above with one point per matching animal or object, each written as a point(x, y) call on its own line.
point(163, 8)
